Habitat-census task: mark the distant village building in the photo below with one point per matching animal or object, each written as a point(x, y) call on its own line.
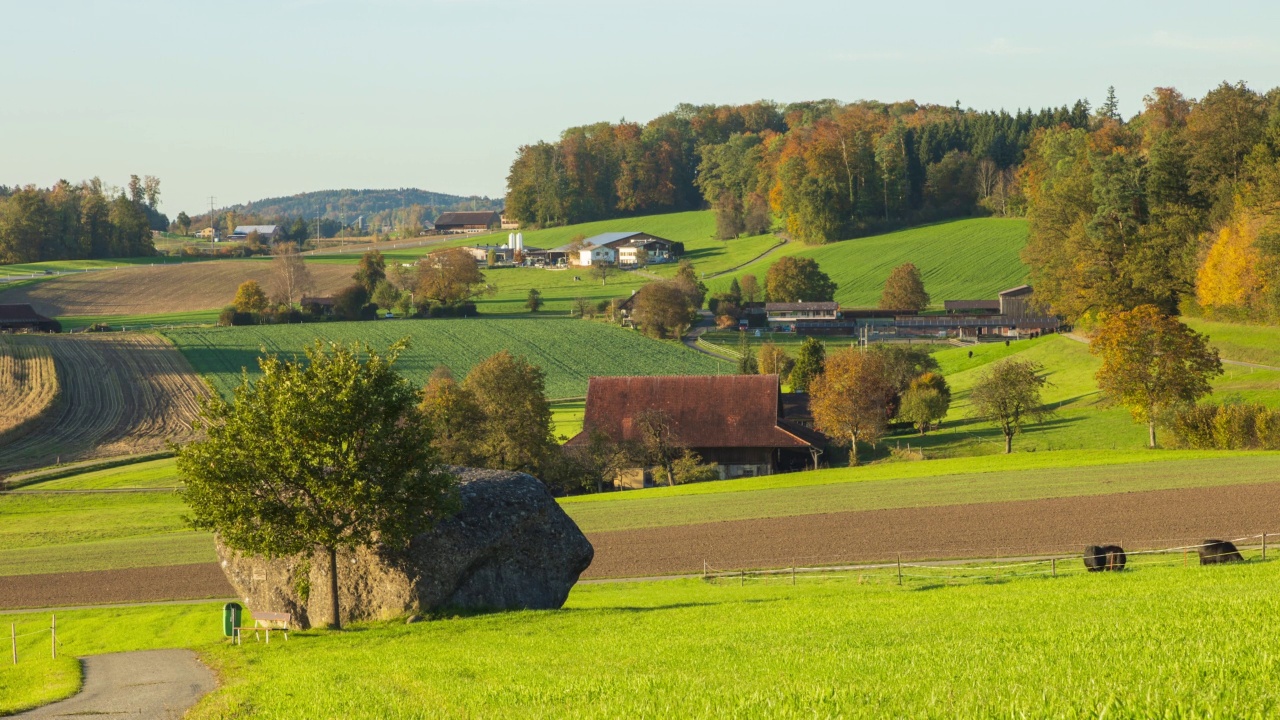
point(735, 422)
point(207, 234)
point(468, 222)
point(24, 318)
point(508, 224)
point(268, 233)
point(1011, 315)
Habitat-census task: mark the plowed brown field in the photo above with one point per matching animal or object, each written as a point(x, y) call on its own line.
point(101, 587)
point(151, 289)
point(118, 394)
point(28, 381)
point(1145, 520)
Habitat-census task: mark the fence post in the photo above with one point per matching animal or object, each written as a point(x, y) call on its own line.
point(1053, 563)
point(13, 641)
point(793, 574)
point(742, 578)
point(899, 568)
point(1264, 546)
point(53, 636)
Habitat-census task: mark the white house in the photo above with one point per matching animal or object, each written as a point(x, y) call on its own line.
point(597, 254)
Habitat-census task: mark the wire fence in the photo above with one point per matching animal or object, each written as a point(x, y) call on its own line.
point(1252, 548)
point(51, 631)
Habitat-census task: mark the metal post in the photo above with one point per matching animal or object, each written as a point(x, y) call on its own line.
point(899, 568)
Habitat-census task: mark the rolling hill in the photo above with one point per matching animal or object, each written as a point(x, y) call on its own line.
point(333, 203)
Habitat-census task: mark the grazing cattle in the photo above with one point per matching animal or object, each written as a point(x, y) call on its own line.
point(1115, 557)
point(1216, 552)
point(1104, 557)
point(1095, 558)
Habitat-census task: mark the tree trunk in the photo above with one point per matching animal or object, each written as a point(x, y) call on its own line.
point(853, 450)
point(1008, 443)
point(671, 477)
point(335, 620)
point(1151, 434)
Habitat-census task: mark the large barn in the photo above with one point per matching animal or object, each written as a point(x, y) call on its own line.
point(23, 318)
point(468, 222)
point(733, 421)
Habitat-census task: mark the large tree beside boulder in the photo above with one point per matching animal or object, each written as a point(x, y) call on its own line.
point(317, 457)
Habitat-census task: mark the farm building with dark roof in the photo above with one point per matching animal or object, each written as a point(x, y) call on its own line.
point(19, 318)
point(732, 421)
point(468, 222)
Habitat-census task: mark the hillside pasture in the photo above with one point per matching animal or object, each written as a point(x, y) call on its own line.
point(568, 350)
point(119, 394)
point(150, 290)
point(28, 382)
point(960, 260)
point(1259, 344)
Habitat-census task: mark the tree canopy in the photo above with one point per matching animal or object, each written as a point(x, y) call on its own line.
point(324, 453)
point(793, 279)
point(904, 289)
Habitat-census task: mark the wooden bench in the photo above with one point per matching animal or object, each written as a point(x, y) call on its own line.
point(265, 622)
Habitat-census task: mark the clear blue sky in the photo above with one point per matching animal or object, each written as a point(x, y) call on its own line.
point(243, 100)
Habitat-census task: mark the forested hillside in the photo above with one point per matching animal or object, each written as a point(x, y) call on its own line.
point(333, 204)
point(828, 170)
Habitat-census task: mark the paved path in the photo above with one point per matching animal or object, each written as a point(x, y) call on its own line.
point(150, 684)
point(781, 241)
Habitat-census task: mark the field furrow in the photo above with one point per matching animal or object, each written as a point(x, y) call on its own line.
point(118, 395)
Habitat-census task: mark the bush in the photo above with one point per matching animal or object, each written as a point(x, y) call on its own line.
point(1233, 426)
point(231, 316)
point(461, 310)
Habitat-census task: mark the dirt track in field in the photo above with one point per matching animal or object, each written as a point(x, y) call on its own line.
point(1147, 520)
point(149, 289)
point(1156, 519)
point(118, 394)
point(172, 582)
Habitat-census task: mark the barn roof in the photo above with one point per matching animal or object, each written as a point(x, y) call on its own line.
point(21, 314)
point(794, 306)
point(971, 305)
point(260, 229)
point(707, 411)
point(485, 217)
point(1014, 291)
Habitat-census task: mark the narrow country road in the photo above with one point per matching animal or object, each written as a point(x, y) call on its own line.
point(706, 321)
point(149, 684)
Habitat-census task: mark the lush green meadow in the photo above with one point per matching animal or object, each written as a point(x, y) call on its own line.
point(1246, 343)
point(568, 350)
point(137, 322)
point(1156, 641)
point(63, 266)
point(960, 260)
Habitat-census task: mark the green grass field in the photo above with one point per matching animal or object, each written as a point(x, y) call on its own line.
point(62, 266)
point(1246, 343)
point(960, 260)
point(568, 350)
point(1159, 640)
point(135, 322)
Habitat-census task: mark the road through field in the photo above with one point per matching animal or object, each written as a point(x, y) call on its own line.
point(146, 684)
point(1155, 519)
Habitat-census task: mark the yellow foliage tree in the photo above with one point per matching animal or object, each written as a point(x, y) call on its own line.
point(1230, 275)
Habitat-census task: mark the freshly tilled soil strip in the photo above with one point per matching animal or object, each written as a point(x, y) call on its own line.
point(171, 582)
point(1146, 520)
point(1162, 518)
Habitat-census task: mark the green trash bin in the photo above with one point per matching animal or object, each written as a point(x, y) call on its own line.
point(231, 618)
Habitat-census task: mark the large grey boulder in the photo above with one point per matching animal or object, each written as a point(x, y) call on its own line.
point(509, 547)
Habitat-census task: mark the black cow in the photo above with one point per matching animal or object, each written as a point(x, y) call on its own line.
point(1098, 558)
point(1216, 552)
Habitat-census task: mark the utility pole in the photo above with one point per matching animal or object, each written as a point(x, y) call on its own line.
point(214, 230)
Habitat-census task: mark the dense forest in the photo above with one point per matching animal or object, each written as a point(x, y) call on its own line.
point(374, 205)
point(89, 220)
point(1178, 207)
point(827, 170)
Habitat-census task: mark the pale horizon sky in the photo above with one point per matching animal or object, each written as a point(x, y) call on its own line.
point(245, 100)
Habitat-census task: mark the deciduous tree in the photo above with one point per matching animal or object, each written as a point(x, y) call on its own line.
point(792, 279)
point(1152, 363)
point(750, 288)
point(810, 361)
point(515, 433)
point(773, 360)
point(371, 270)
point(1007, 395)
point(904, 289)
point(449, 277)
point(663, 310)
point(926, 401)
point(533, 300)
point(290, 278)
point(250, 298)
point(322, 454)
point(850, 398)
